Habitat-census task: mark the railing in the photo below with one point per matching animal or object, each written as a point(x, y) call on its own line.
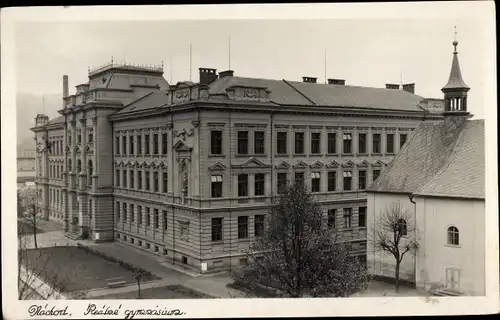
point(153, 68)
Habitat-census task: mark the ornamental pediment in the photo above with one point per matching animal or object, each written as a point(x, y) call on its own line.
point(363, 164)
point(333, 164)
point(252, 93)
point(218, 166)
point(252, 163)
point(283, 165)
point(378, 163)
point(300, 165)
point(181, 146)
point(317, 164)
point(348, 164)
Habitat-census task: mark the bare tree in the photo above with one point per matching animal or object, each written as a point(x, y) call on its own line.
point(34, 214)
point(395, 235)
point(33, 272)
point(298, 255)
point(139, 275)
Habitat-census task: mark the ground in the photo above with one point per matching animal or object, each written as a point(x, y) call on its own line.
point(166, 292)
point(81, 270)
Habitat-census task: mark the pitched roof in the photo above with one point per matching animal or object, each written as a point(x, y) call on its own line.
point(302, 93)
point(56, 120)
point(149, 101)
point(434, 163)
point(455, 81)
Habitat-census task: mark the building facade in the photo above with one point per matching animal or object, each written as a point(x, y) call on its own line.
point(188, 171)
point(439, 178)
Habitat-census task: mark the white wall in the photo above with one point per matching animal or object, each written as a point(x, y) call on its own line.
point(434, 216)
point(381, 263)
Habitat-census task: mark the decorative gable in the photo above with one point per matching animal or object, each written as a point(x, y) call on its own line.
point(162, 165)
point(332, 164)
point(253, 162)
point(363, 164)
point(300, 165)
point(378, 163)
point(217, 167)
point(181, 146)
point(348, 164)
point(283, 165)
point(317, 164)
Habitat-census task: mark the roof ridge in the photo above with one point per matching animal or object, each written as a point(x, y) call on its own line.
point(447, 163)
point(138, 99)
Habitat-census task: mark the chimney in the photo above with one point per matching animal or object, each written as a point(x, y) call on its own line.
point(391, 86)
point(227, 73)
point(409, 87)
point(309, 79)
point(207, 75)
point(340, 82)
point(65, 89)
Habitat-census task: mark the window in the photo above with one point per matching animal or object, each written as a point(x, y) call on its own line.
point(332, 142)
point(124, 208)
point(91, 171)
point(259, 184)
point(347, 180)
point(362, 179)
point(139, 180)
point(90, 138)
point(376, 174)
point(331, 218)
point(242, 142)
point(243, 185)
point(216, 186)
point(79, 137)
point(148, 216)
point(453, 236)
point(117, 144)
point(282, 178)
point(146, 144)
point(299, 179)
point(69, 165)
point(376, 143)
point(155, 181)
point(216, 141)
point(165, 221)
point(184, 231)
point(132, 182)
point(216, 229)
point(124, 182)
point(243, 227)
point(362, 217)
point(131, 144)
point(117, 174)
point(315, 142)
point(347, 217)
point(165, 182)
point(315, 182)
point(139, 144)
point(281, 142)
point(155, 143)
point(69, 139)
point(402, 140)
point(347, 142)
point(258, 137)
point(139, 214)
point(156, 219)
point(402, 227)
point(299, 142)
point(259, 225)
point(131, 209)
point(78, 166)
point(164, 143)
point(117, 210)
point(362, 143)
point(148, 178)
point(390, 143)
point(157, 249)
point(124, 145)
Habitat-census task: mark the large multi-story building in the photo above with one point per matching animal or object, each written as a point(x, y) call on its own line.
point(188, 171)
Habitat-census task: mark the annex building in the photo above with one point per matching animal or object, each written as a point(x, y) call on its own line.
point(439, 178)
point(188, 170)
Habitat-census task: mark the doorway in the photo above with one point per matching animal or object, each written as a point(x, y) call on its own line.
point(453, 279)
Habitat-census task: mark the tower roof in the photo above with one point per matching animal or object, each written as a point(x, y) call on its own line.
point(455, 81)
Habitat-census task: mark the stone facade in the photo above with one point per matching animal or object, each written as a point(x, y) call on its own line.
point(183, 173)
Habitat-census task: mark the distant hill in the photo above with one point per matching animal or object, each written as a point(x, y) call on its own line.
point(27, 107)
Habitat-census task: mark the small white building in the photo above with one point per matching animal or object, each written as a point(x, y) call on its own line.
point(438, 177)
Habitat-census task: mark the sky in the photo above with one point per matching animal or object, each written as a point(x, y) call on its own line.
point(364, 52)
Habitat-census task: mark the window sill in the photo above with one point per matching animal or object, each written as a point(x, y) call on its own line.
point(281, 155)
point(216, 156)
point(217, 242)
point(335, 154)
point(299, 154)
point(453, 246)
point(347, 154)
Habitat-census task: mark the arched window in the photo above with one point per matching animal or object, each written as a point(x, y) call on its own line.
point(69, 165)
point(90, 171)
point(402, 227)
point(78, 166)
point(453, 236)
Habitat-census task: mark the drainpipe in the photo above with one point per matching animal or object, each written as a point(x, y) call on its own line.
point(411, 196)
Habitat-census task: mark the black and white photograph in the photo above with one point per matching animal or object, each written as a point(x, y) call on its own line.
point(223, 161)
